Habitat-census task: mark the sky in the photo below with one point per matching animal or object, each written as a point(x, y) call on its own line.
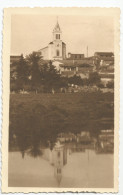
point(32, 32)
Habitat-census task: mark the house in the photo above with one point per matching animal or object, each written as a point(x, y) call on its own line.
point(14, 58)
point(58, 65)
point(69, 68)
point(13, 65)
point(75, 56)
point(104, 54)
point(103, 59)
point(106, 78)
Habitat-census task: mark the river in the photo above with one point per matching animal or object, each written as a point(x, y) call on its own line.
point(84, 169)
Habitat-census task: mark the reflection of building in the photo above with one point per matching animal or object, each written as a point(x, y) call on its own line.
point(84, 137)
point(66, 137)
point(55, 49)
point(60, 158)
point(105, 142)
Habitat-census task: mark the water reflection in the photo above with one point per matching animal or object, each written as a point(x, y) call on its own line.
point(66, 164)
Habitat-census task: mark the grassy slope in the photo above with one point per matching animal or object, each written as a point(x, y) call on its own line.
point(79, 110)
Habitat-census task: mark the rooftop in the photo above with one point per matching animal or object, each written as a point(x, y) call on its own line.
point(74, 63)
point(42, 48)
point(104, 53)
point(52, 42)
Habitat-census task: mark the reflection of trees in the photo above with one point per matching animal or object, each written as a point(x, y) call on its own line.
point(22, 142)
point(33, 130)
point(35, 151)
point(36, 122)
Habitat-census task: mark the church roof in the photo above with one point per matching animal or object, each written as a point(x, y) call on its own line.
point(57, 28)
point(63, 43)
point(42, 48)
point(52, 43)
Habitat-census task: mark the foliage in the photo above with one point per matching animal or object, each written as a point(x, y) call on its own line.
point(76, 80)
point(35, 74)
point(13, 86)
point(22, 73)
point(94, 78)
point(110, 84)
point(34, 60)
point(32, 73)
point(35, 120)
point(51, 79)
point(100, 85)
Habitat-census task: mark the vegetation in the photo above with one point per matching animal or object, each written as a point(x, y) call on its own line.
point(38, 117)
point(36, 120)
point(34, 74)
point(110, 84)
point(94, 78)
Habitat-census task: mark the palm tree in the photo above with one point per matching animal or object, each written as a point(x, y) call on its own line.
point(22, 73)
point(34, 60)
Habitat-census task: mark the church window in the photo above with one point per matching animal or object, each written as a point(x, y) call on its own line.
point(58, 154)
point(57, 52)
point(57, 36)
point(58, 171)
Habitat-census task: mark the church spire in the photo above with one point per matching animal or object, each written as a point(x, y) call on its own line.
point(57, 27)
point(57, 32)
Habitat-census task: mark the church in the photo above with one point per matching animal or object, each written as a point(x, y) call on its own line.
point(56, 50)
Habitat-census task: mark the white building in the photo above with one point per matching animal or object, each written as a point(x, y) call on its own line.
point(56, 50)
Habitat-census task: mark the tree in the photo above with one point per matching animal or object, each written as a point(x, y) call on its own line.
point(110, 84)
point(76, 80)
point(85, 81)
point(22, 73)
point(34, 60)
point(94, 78)
point(43, 75)
point(100, 85)
point(51, 78)
point(13, 86)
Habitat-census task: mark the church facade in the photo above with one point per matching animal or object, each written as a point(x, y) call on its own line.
point(56, 50)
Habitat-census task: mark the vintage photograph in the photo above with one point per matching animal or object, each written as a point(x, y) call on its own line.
point(61, 128)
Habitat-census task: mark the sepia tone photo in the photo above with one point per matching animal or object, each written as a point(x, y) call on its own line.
point(60, 99)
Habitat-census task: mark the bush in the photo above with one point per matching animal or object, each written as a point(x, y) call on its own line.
point(110, 84)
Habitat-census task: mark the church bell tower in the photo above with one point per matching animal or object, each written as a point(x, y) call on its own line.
point(57, 40)
point(57, 32)
point(57, 48)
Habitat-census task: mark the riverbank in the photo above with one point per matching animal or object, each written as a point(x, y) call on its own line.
point(38, 118)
